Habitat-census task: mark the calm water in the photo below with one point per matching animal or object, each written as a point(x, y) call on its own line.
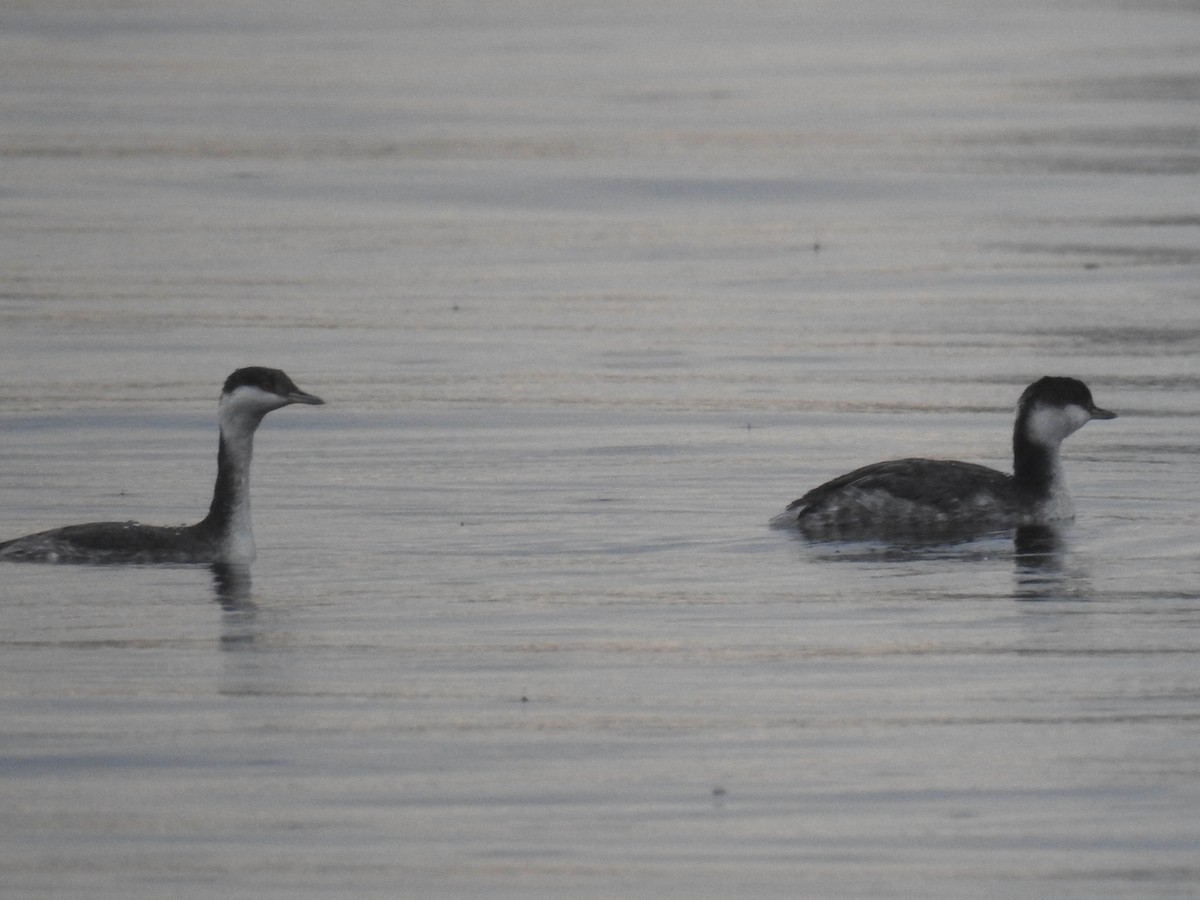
point(591, 292)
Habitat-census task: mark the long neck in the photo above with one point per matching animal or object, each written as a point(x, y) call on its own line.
point(1035, 466)
point(228, 519)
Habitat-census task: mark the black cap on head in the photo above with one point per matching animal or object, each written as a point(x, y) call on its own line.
point(1055, 390)
point(273, 381)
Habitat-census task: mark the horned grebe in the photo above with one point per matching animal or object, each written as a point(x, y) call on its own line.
point(224, 535)
point(923, 496)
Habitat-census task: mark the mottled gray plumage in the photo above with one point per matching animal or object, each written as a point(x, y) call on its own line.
point(112, 542)
point(224, 535)
point(923, 497)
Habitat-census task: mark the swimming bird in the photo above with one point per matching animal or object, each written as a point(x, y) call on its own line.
point(917, 497)
point(224, 535)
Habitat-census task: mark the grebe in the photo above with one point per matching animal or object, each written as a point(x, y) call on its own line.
point(915, 497)
point(224, 535)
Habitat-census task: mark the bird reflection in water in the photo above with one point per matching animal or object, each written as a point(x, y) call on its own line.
point(231, 589)
point(1038, 569)
point(1042, 567)
point(248, 671)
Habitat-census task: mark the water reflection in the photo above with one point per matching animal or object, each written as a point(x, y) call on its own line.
point(253, 664)
point(1039, 571)
point(911, 545)
point(1042, 566)
point(239, 619)
point(243, 633)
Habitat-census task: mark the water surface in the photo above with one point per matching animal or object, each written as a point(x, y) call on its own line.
point(591, 293)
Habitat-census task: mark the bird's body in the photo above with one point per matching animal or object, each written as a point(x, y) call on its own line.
point(224, 535)
point(116, 542)
point(915, 497)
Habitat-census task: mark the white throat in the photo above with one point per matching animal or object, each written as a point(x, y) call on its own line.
point(239, 415)
point(1049, 426)
point(1058, 505)
point(237, 543)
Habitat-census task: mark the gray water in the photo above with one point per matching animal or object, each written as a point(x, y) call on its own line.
point(592, 291)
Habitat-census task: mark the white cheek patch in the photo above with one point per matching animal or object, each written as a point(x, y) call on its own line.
point(250, 401)
point(1050, 425)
